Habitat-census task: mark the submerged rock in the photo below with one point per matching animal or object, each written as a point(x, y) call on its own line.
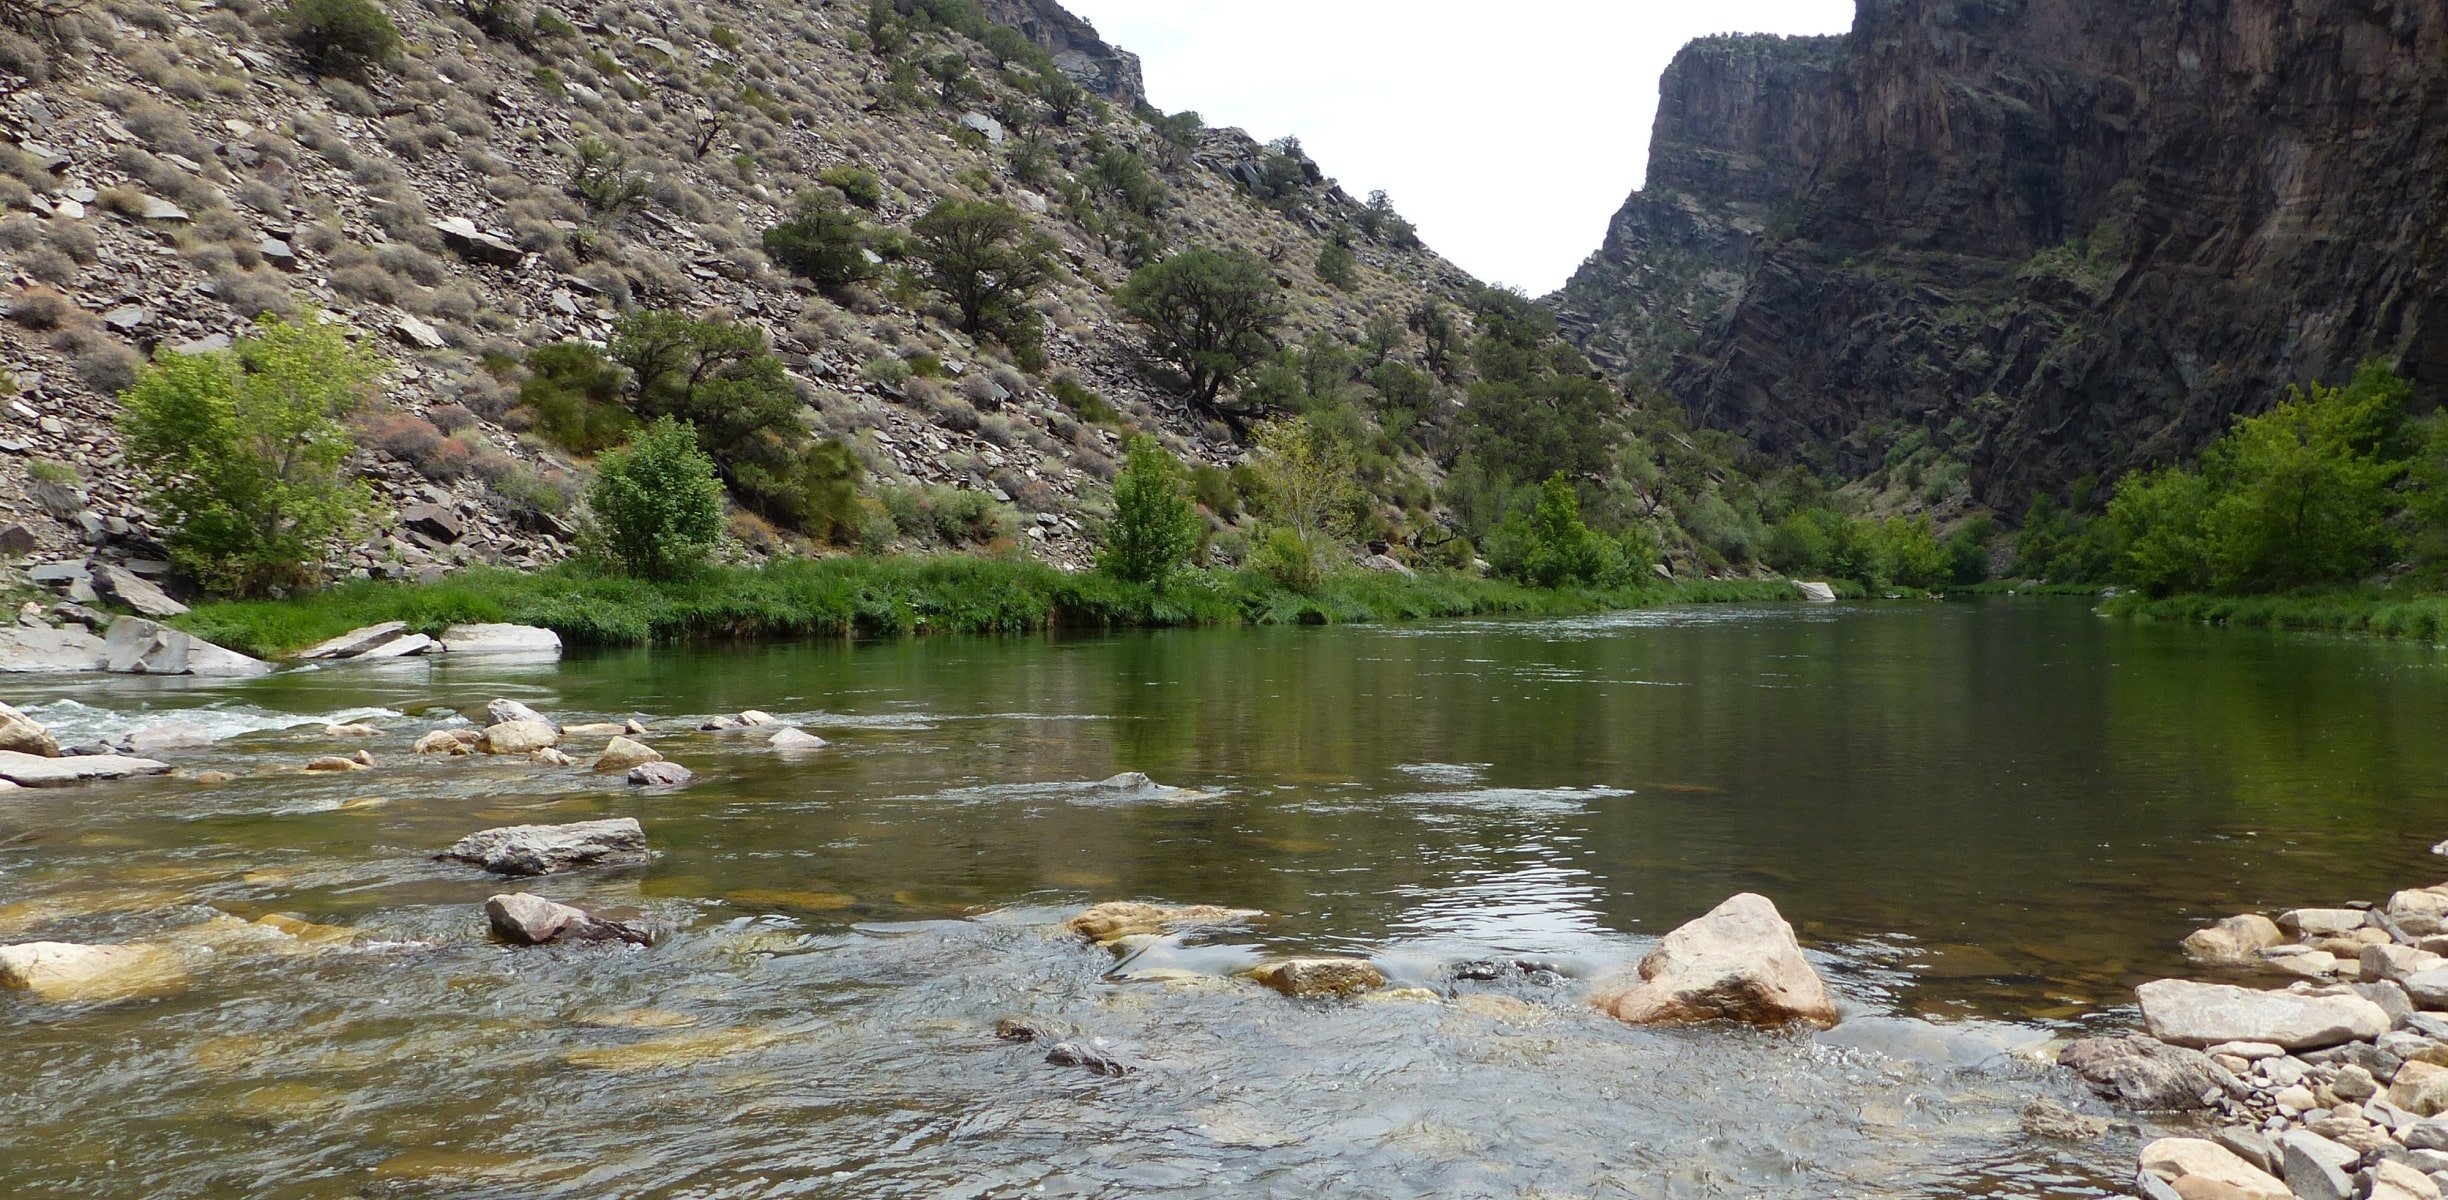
point(543, 849)
point(663, 773)
point(549, 757)
point(523, 919)
point(749, 719)
point(1116, 919)
point(2175, 1160)
point(2145, 1074)
point(796, 739)
point(2203, 1014)
point(2045, 1118)
point(62, 972)
point(34, 770)
point(1739, 962)
point(1087, 1055)
point(1320, 976)
point(621, 754)
point(24, 735)
point(334, 762)
point(519, 737)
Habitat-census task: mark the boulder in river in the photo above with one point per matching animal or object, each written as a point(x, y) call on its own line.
point(1116, 919)
point(501, 712)
point(2175, 1160)
point(544, 849)
point(523, 919)
point(596, 729)
point(135, 646)
point(2234, 941)
point(519, 737)
point(1320, 976)
point(796, 740)
point(2145, 1074)
point(1739, 962)
point(549, 756)
point(466, 640)
point(67, 971)
point(1087, 1055)
point(660, 773)
point(25, 735)
point(620, 754)
point(2204, 1014)
point(335, 762)
point(449, 741)
point(34, 770)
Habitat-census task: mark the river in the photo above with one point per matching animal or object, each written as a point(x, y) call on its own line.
point(1987, 820)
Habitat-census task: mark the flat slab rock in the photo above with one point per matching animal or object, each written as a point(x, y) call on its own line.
point(65, 972)
point(1739, 962)
point(1320, 976)
point(544, 849)
point(1122, 918)
point(2145, 1074)
point(466, 640)
point(34, 770)
point(49, 651)
point(2186, 1013)
point(356, 641)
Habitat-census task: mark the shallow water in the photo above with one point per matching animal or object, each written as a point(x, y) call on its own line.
point(1995, 817)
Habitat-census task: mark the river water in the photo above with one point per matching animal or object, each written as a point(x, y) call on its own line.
point(1987, 821)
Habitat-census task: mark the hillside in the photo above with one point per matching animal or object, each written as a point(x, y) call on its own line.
point(523, 174)
point(1973, 252)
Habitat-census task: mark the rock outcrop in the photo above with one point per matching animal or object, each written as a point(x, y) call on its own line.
point(2035, 239)
point(544, 849)
point(1739, 962)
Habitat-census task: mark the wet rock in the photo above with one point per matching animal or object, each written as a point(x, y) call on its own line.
point(66, 972)
point(597, 729)
point(1089, 1056)
point(35, 770)
point(2235, 940)
point(50, 651)
point(750, 719)
point(2176, 1160)
point(621, 754)
point(661, 773)
point(2309, 923)
point(519, 737)
point(549, 757)
point(1024, 1029)
point(2186, 1013)
point(1739, 962)
point(22, 734)
point(1307, 977)
point(334, 762)
point(2045, 1118)
point(356, 641)
point(481, 639)
point(2316, 1168)
point(522, 919)
point(2145, 1074)
point(796, 739)
point(1116, 919)
point(449, 741)
point(502, 712)
point(543, 849)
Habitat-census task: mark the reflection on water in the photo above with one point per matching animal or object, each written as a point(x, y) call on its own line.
point(1998, 816)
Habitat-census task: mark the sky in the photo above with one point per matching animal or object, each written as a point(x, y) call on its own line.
point(1508, 132)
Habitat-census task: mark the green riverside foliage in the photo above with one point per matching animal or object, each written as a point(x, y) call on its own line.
point(1155, 527)
point(1896, 552)
point(341, 37)
point(575, 394)
point(2389, 612)
point(241, 452)
point(822, 241)
point(984, 258)
point(658, 510)
point(857, 595)
point(1548, 546)
point(1210, 315)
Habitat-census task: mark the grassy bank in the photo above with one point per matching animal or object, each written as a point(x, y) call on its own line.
point(2383, 611)
point(894, 596)
point(2000, 587)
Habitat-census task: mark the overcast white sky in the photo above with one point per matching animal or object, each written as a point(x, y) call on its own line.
point(1508, 131)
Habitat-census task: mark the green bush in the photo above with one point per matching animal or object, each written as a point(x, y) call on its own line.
point(1549, 546)
point(1210, 315)
point(858, 185)
point(822, 241)
point(575, 394)
point(241, 452)
point(1155, 527)
point(341, 37)
point(984, 258)
point(1338, 266)
point(656, 505)
point(1286, 557)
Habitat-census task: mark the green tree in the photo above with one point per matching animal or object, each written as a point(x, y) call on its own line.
point(1210, 315)
point(1155, 526)
point(721, 379)
point(1338, 266)
point(822, 241)
point(575, 394)
point(2303, 490)
point(983, 257)
point(347, 38)
point(1549, 546)
point(1304, 486)
point(2161, 515)
point(656, 505)
point(241, 452)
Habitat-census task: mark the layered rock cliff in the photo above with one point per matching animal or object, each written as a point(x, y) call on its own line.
point(2008, 243)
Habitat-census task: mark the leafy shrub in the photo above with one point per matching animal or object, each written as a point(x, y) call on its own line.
point(1210, 315)
point(1154, 526)
point(858, 185)
point(241, 452)
point(657, 507)
point(821, 241)
point(1338, 266)
point(1549, 546)
point(575, 394)
point(347, 38)
point(1286, 557)
point(601, 179)
point(983, 257)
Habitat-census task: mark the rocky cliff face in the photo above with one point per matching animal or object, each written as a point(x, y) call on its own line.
point(2014, 242)
point(1083, 55)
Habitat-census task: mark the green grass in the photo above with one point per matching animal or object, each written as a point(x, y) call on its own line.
point(2384, 611)
point(896, 596)
point(2001, 587)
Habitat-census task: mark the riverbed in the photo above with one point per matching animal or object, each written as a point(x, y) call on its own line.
point(1987, 821)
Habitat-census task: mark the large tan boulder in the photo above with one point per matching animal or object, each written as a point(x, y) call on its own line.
point(2176, 1160)
point(621, 754)
point(1320, 976)
point(1740, 962)
point(25, 735)
point(2236, 941)
point(63, 972)
point(1117, 919)
point(2186, 1013)
point(449, 741)
point(519, 737)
